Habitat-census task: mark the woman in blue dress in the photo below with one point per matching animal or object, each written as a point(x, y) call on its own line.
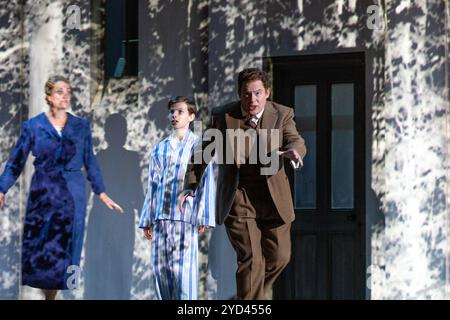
point(56, 207)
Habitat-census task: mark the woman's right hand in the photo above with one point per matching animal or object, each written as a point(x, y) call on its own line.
point(2, 199)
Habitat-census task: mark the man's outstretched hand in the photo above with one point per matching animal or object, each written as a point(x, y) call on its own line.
point(292, 155)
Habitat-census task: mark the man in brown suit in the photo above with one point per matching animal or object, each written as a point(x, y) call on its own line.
point(256, 208)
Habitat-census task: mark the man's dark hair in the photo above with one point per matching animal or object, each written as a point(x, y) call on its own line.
point(190, 104)
point(252, 74)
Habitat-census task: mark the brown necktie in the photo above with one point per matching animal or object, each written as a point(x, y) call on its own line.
point(249, 122)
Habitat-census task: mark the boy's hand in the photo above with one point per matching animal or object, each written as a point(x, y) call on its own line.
point(182, 198)
point(148, 233)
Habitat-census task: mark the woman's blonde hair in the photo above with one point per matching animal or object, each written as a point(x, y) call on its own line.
point(50, 83)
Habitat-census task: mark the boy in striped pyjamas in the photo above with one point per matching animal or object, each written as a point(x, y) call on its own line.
point(175, 232)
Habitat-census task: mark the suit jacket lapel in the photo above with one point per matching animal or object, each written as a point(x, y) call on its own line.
point(268, 121)
point(233, 118)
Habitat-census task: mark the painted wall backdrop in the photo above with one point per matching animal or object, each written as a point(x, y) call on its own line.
point(411, 160)
point(12, 110)
point(196, 47)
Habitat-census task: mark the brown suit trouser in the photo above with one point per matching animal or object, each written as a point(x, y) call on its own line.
point(261, 239)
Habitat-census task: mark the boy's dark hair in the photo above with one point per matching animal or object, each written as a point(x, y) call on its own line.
point(190, 104)
point(252, 74)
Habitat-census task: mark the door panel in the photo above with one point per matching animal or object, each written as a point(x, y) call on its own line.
point(306, 278)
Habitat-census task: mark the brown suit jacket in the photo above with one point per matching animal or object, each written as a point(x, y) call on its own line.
point(275, 116)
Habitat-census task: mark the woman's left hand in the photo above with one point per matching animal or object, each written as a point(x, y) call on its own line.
point(109, 203)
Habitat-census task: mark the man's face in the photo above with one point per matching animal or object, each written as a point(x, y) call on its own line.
point(179, 116)
point(254, 96)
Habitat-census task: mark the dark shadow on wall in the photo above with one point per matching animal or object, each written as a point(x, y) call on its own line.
point(222, 263)
point(110, 235)
point(176, 32)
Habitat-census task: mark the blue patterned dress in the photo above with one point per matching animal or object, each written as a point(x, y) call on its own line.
point(56, 207)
